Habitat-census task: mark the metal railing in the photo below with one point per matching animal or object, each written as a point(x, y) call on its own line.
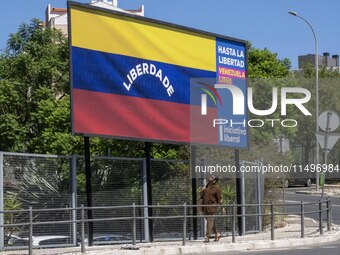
point(323, 206)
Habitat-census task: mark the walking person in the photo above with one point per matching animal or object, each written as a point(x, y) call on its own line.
point(211, 195)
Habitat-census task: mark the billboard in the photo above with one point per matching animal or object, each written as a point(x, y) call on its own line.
point(130, 76)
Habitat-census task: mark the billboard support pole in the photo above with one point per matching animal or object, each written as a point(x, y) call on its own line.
point(73, 175)
point(239, 196)
point(193, 191)
point(88, 175)
point(145, 203)
point(149, 187)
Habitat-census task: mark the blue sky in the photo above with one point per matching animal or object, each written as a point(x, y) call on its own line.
point(263, 22)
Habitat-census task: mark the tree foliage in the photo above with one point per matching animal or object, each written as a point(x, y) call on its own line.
point(265, 64)
point(329, 94)
point(266, 71)
point(34, 91)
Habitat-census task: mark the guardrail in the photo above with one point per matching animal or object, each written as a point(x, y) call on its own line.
point(323, 206)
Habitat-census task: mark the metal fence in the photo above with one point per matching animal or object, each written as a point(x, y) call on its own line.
point(41, 181)
point(322, 207)
point(51, 181)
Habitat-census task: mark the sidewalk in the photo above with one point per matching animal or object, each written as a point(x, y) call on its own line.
point(288, 236)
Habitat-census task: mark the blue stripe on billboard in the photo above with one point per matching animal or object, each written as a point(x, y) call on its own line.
point(123, 75)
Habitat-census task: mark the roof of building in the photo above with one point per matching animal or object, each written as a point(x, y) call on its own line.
point(62, 11)
point(54, 9)
point(139, 10)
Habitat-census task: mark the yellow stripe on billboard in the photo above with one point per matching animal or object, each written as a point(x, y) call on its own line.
point(108, 32)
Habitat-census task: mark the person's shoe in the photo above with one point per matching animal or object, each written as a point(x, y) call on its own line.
point(206, 239)
point(217, 237)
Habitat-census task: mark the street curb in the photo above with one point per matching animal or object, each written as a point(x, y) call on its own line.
point(197, 247)
point(304, 192)
point(241, 246)
point(311, 193)
point(316, 194)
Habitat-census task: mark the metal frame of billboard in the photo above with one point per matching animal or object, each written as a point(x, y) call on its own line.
point(156, 22)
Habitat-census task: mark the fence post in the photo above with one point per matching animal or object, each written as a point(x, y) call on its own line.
point(82, 229)
point(272, 221)
point(233, 223)
point(302, 219)
point(320, 217)
point(331, 211)
point(329, 222)
point(184, 223)
point(259, 197)
point(30, 232)
point(134, 224)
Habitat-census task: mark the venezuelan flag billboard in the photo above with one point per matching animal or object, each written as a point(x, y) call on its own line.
point(130, 76)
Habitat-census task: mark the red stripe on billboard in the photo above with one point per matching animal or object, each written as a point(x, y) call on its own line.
point(124, 116)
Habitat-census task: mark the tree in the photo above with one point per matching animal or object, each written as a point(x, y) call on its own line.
point(34, 91)
point(328, 100)
point(266, 71)
point(265, 64)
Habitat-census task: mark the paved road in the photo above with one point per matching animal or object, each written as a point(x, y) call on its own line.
point(290, 196)
point(328, 249)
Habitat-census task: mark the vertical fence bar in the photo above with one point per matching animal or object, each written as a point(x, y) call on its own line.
point(145, 203)
point(193, 190)
point(258, 199)
point(272, 221)
point(243, 208)
point(320, 217)
point(328, 214)
point(30, 231)
point(239, 195)
point(149, 187)
point(82, 229)
point(88, 188)
point(2, 240)
point(302, 219)
point(133, 223)
point(283, 186)
point(184, 224)
point(233, 224)
point(74, 197)
point(204, 219)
